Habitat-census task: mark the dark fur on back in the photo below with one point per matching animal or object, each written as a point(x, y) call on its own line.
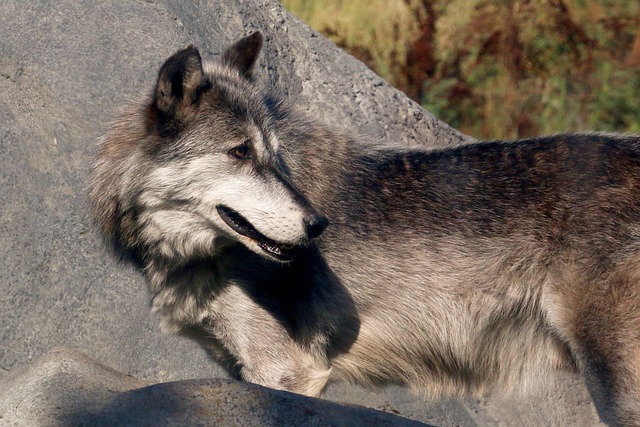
point(450, 271)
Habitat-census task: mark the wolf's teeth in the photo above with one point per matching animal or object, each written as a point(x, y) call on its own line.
point(271, 248)
point(282, 252)
point(275, 249)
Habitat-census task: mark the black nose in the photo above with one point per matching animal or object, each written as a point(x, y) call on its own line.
point(315, 225)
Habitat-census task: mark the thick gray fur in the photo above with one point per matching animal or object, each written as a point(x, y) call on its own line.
point(450, 271)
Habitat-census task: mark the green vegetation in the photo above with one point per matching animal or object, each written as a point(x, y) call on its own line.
point(498, 68)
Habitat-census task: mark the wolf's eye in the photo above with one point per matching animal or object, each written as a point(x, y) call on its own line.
point(240, 152)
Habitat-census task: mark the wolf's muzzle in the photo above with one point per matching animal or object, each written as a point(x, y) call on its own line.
point(314, 225)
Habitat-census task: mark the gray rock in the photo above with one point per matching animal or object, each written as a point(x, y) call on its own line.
point(66, 67)
point(66, 388)
point(52, 388)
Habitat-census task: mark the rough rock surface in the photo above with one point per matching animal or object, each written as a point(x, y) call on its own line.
point(66, 67)
point(66, 388)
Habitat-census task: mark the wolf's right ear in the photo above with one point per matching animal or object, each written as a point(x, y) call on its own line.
point(180, 83)
point(243, 54)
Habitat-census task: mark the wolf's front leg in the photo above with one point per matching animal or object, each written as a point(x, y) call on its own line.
point(256, 346)
point(295, 372)
point(601, 322)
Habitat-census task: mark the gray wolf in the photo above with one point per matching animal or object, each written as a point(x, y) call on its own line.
point(296, 255)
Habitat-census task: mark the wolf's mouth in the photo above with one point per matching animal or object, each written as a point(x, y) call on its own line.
point(241, 226)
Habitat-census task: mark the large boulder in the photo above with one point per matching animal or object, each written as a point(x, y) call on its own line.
point(65, 69)
point(66, 388)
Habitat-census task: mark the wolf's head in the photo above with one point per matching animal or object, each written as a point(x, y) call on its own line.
point(198, 167)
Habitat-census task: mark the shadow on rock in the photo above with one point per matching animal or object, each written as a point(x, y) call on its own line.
point(219, 402)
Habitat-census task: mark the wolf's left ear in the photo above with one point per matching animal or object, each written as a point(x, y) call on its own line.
point(180, 83)
point(243, 54)
point(179, 78)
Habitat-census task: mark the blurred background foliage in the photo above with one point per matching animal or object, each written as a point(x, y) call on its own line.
point(498, 68)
